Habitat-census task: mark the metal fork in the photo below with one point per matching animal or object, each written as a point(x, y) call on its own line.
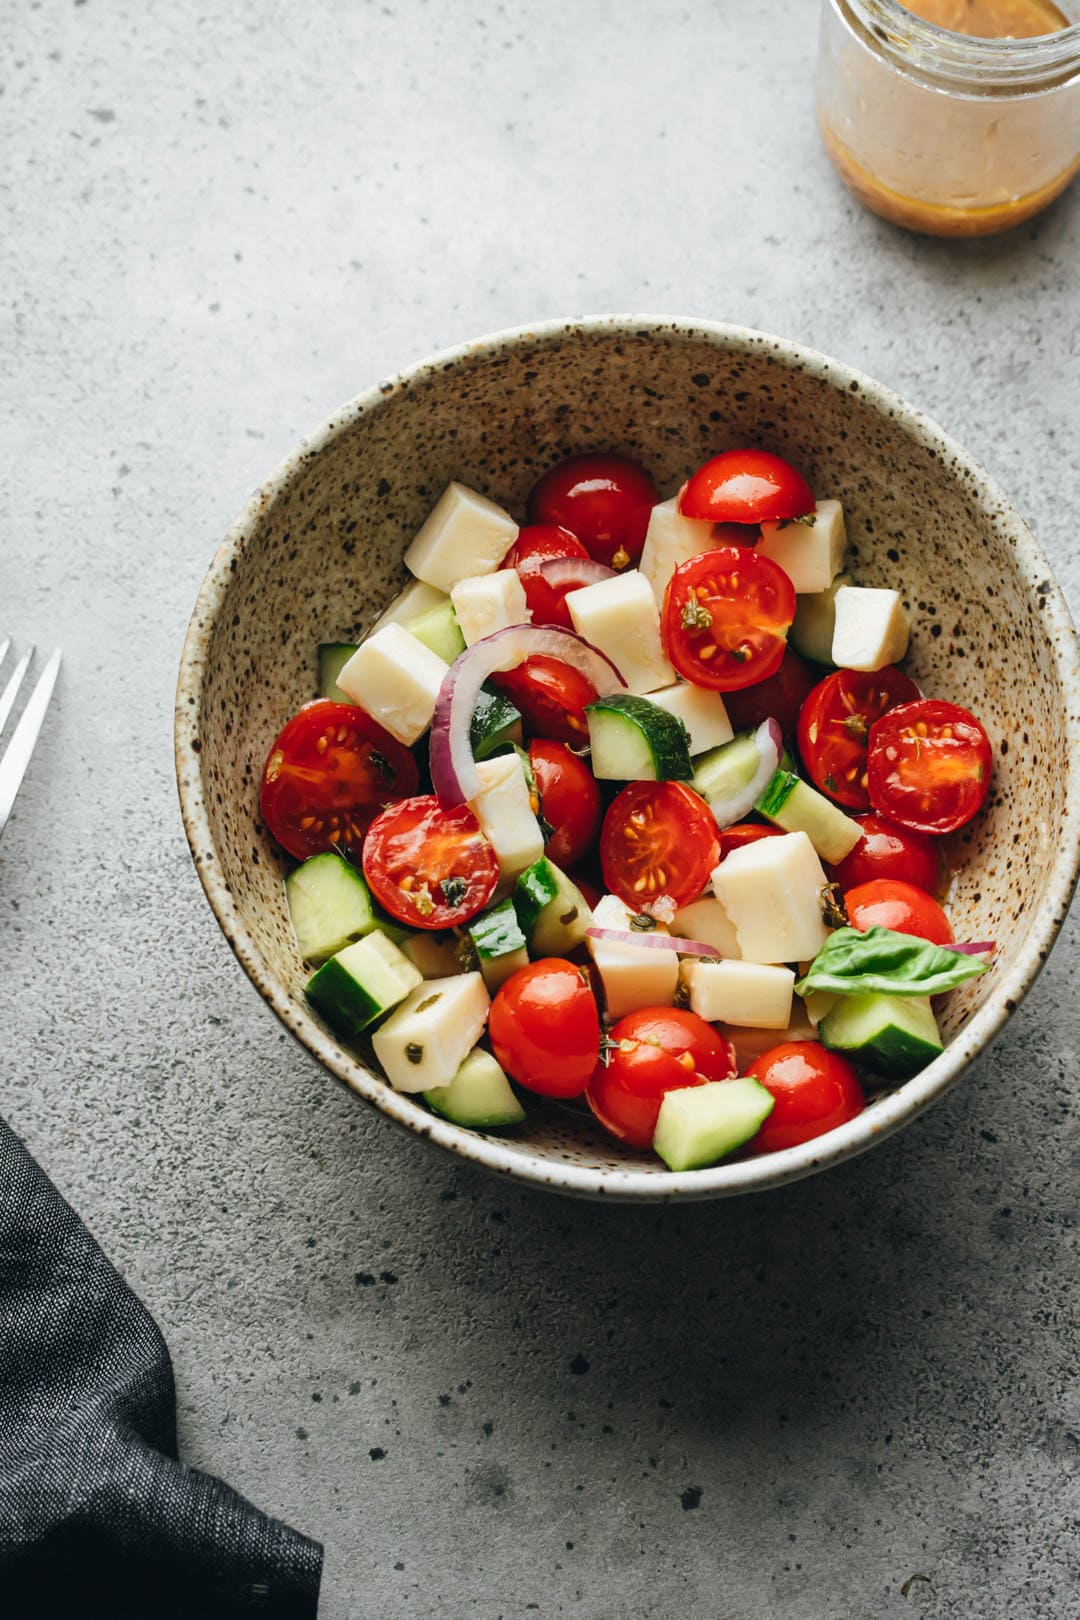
point(16, 756)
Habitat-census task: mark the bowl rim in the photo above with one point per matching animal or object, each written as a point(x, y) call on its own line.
point(500, 1155)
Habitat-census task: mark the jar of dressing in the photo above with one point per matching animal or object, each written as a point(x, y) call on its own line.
point(952, 117)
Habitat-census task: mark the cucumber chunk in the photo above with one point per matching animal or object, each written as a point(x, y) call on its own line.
point(697, 1125)
point(725, 771)
point(361, 983)
point(330, 905)
point(812, 628)
point(797, 807)
point(333, 656)
point(496, 723)
point(479, 1096)
point(438, 630)
point(633, 740)
point(552, 910)
point(499, 943)
point(896, 1035)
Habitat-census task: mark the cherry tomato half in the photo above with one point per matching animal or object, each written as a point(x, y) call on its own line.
point(569, 801)
point(649, 1053)
point(887, 850)
point(429, 867)
point(885, 903)
point(930, 765)
point(329, 773)
point(815, 1090)
point(545, 1029)
point(726, 617)
point(658, 838)
point(835, 723)
point(746, 486)
point(551, 696)
point(744, 832)
point(534, 546)
point(779, 698)
point(603, 499)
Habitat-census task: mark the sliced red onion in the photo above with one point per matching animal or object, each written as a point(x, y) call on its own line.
point(978, 947)
point(580, 571)
point(770, 745)
point(453, 769)
point(653, 942)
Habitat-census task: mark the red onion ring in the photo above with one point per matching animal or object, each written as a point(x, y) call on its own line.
point(979, 947)
point(453, 769)
point(578, 571)
point(654, 942)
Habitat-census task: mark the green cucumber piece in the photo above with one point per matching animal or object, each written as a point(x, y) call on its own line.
point(697, 1125)
point(362, 983)
point(552, 910)
point(633, 740)
point(725, 771)
point(438, 630)
point(896, 1035)
point(499, 943)
point(330, 905)
point(796, 807)
point(496, 723)
point(479, 1096)
point(812, 628)
point(333, 656)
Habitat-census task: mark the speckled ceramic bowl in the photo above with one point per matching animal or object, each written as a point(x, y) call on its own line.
point(316, 555)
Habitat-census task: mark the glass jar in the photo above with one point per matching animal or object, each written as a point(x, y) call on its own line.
point(941, 132)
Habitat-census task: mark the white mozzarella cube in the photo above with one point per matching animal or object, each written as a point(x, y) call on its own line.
point(670, 540)
point(434, 956)
point(633, 975)
point(425, 1041)
point(505, 813)
point(743, 993)
point(464, 534)
point(415, 599)
point(620, 617)
point(701, 712)
point(708, 921)
point(811, 554)
point(489, 602)
point(750, 1043)
point(396, 679)
point(871, 628)
point(772, 891)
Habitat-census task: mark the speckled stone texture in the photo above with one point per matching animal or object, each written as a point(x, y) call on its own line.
point(852, 1398)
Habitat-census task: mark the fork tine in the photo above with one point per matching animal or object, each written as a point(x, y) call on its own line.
point(17, 754)
point(11, 690)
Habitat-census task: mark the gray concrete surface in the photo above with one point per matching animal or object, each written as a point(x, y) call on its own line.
point(854, 1398)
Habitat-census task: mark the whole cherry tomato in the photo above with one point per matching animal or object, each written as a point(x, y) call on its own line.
point(835, 723)
point(887, 850)
point(539, 544)
point(815, 1090)
point(885, 903)
point(646, 1055)
point(551, 697)
point(429, 867)
point(744, 832)
point(569, 801)
point(929, 766)
point(327, 776)
point(779, 697)
point(658, 838)
point(746, 486)
point(605, 500)
point(725, 618)
point(545, 1029)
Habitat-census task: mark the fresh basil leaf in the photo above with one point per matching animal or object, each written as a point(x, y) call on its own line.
point(852, 963)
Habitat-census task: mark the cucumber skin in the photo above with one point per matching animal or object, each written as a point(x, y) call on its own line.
point(893, 1051)
point(495, 723)
point(539, 887)
point(333, 656)
point(778, 790)
point(665, 738)
point(497, 932)
point(479, 1097)
point(535, 888)
point(345, 1004)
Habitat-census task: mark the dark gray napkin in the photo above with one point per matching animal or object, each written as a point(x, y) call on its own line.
point(97, 1516)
